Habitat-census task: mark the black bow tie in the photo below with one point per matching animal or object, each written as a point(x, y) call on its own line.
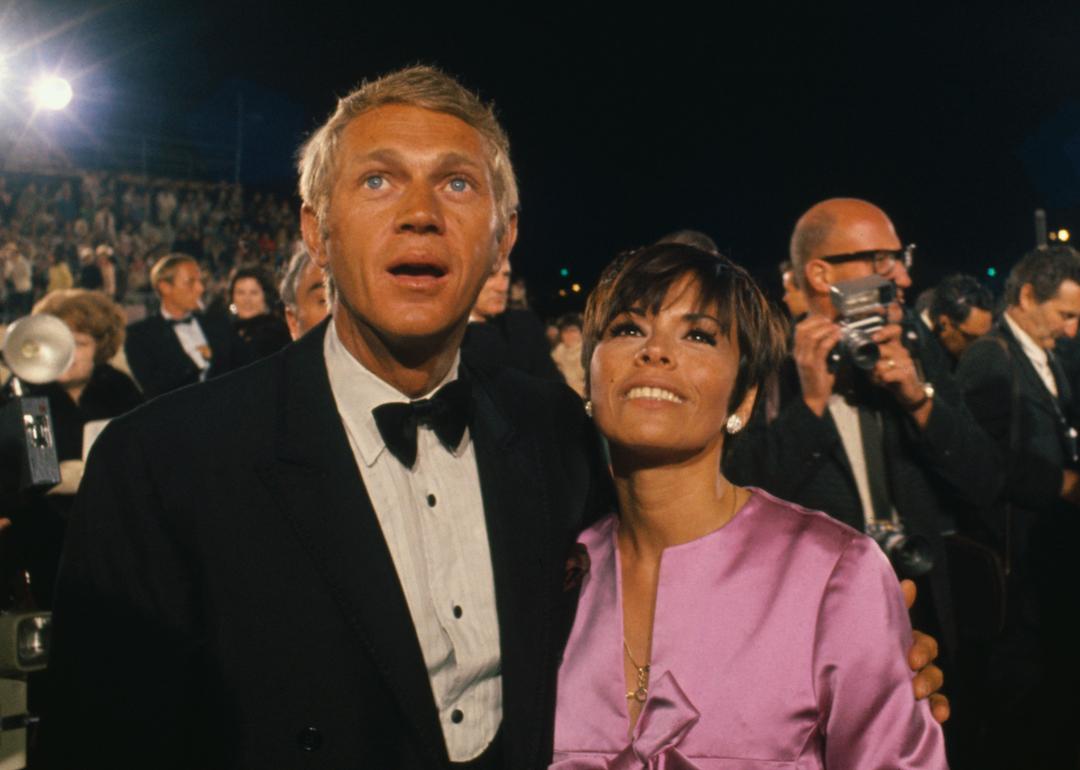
point(180, 321)
point(447, 413)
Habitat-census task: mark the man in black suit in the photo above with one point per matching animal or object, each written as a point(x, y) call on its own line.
point(179, 345)
point(1017, 390)
point(891, 445)
point(293, 577)
point(508, 337)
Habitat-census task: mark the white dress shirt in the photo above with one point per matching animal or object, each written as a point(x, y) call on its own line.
point(846, 418)
point(1035, 354)
point(192, 340)
point(432, 517)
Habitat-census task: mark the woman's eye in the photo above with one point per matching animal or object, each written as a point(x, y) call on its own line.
point(374, 182)
point(458, 184)
point(625, 329)
point(699, 335)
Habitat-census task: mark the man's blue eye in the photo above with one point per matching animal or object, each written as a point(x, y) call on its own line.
point(374, 182)
point(459, 185)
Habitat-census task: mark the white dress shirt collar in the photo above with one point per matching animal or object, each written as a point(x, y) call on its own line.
point(1036, 354)
point(361, 390)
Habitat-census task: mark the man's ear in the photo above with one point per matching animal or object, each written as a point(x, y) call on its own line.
point(819, 276)
point(313, 237)
point(506, 243)
point(1027, 296)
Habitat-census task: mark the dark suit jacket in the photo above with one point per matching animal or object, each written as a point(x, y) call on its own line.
point(227, 599)
point(514, 338)
point(158, 360)
point(799, 456)
point(1042, 529)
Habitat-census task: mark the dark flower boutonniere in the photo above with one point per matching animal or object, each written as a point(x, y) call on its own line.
point(577, 567)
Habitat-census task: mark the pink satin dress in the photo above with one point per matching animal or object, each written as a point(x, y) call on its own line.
point(779, 641)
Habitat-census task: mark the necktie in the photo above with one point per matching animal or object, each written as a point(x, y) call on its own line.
point(447, 413)
point(876, 469)
point(180, 321)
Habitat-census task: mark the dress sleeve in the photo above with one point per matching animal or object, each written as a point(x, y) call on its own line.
point(870, 718)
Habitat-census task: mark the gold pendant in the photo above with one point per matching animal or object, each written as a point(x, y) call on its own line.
point(641, 694)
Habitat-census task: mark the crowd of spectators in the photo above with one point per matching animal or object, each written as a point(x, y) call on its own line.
point(104, 231)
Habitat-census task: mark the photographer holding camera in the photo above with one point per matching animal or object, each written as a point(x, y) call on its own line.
point(870, 428)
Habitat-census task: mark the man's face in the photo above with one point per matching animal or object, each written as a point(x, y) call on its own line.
point(410, 234)
point(182, 294)
point(1054, 318)
point(958, 337)
point(496, 292)
point(310, 301)
point(863, 233)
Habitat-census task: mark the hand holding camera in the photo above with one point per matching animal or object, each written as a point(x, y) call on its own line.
point(862, 338)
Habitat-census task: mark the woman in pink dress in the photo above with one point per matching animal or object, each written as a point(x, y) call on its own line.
point(718, 627)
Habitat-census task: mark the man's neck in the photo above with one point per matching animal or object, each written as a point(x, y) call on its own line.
point(1020, 319)
point(172, 311)
point(414, 370)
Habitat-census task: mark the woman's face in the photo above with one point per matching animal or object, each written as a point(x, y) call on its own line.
point(82, 365)
point(248, 299)
point(660, 383)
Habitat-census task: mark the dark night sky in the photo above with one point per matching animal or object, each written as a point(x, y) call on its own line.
point(958, 122)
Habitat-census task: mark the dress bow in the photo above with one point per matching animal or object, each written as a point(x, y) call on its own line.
point(665, 720)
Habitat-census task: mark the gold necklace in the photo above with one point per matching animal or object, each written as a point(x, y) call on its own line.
point(642, 691)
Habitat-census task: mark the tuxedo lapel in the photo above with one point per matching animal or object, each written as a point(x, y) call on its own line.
point(319, 490)
point(511, 469)
point(171, 343)
point(1033, 383)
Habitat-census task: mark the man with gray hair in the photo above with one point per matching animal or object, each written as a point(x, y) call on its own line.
point(1026, 675)
point(352, 552)
point(303, 292)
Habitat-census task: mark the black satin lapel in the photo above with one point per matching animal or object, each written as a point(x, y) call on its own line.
point(511, 469)
point(319, 490)
point(1035, 382)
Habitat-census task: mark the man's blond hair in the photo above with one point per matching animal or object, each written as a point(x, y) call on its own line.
point(418, 86)
point(165, 268)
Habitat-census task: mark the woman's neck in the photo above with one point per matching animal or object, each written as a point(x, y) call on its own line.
point(666, 503)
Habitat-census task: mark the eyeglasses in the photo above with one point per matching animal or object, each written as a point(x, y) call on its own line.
point(884, 259)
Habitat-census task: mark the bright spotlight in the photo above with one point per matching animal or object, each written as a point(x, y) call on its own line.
point(1063, 235)
point(51, 93)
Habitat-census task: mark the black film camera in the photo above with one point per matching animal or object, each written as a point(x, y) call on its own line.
point(909, 554)
point(863, 307)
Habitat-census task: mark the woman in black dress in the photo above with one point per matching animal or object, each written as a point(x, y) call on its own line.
point(256, 316)
point(89, 391)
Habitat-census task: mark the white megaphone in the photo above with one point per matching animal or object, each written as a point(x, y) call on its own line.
point(37, 349)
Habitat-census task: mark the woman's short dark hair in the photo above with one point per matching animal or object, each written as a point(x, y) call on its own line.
point(265, 281)
point(642, 278)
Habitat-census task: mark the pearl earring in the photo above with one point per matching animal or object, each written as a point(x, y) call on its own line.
point(734, 424)
point(588, 407)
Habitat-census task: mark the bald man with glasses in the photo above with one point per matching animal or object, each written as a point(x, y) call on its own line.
point(890, 446)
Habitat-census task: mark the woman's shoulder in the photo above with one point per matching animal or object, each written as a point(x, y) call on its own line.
point(801, 529)
point(599, 535)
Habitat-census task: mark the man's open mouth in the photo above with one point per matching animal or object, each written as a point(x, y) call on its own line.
point(418, 270)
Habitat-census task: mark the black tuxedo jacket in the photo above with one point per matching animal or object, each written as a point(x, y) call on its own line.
point(1042, 529)
point(513, 338)
point(799, 456)
point(158, 360)
point(227, 599)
